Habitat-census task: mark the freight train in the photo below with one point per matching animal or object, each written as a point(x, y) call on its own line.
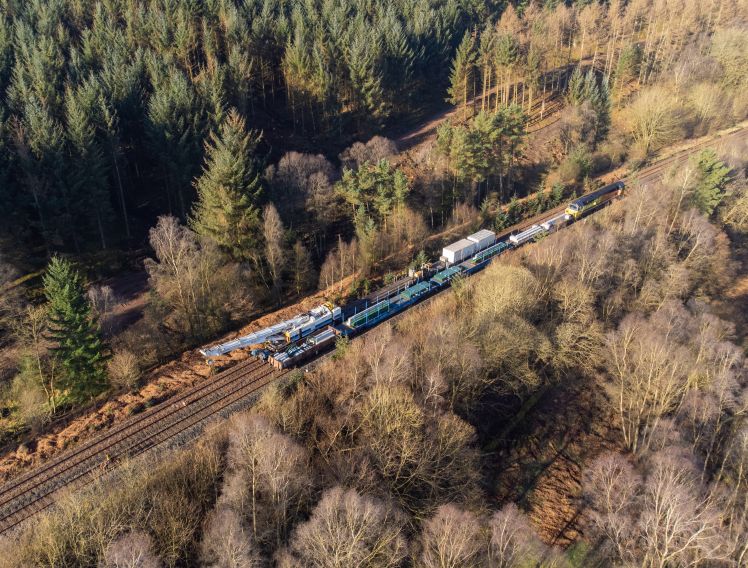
point(293, 341)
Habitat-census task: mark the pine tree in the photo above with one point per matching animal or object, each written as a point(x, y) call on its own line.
point(463, 72)
point(88, 177)
point(175, 128)
point(601, 106)
point(113, 146)
point(40, 146)
point(374, 188)
point(78, 348)
point(229, 190)
point(505, 59)
point(508, 137)
point(575, 91)
point(366, 78)
point(557, 193)
point(713, 177)
point(589, 88)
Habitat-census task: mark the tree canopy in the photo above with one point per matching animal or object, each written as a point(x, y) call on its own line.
point(229, 189)
point(78, 347)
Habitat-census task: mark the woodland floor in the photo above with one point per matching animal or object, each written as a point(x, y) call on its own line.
point(541, 465)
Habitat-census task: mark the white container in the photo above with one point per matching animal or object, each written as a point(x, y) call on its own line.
point(459, 251)
point(483, 239)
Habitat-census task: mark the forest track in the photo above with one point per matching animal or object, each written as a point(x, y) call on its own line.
point(23, 497)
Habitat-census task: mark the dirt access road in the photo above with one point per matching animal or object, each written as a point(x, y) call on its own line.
point(544, 107)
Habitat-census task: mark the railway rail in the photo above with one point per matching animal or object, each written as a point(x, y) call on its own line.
point(35, 491)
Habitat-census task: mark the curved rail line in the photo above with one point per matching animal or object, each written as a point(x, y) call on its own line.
point(35, 490)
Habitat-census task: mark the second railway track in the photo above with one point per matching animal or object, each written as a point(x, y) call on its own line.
point(34, 491)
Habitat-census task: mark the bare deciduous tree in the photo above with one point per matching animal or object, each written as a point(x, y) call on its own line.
point(302, 268)
point(123, 369)
point(613, 487)
point(340, 263)
point(102, 300)
point(452, 539)
point(506, 290)
point(680, 522)
point(193, 282)
point(275, 253)
point(378, 148)
point(652, 120)
point(513, 542)
point(650, 374)
point(268, 480)
point(130, 550)
point(347, 529)
point(669, 518)
point(225, 543)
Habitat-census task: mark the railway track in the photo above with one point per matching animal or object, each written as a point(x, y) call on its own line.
point(663, 166)
point(648, 174)
point(35, 491)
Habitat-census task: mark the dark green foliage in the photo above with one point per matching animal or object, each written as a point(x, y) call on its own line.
point(88, 178)
point(487, 147)
point(108, 103)
point(575, 89)
point(514, 211)
point(174, 132)
point(78, 347)
point(374, 190)
point(502, 221)
point(587, 89)
point(229, 190)
point(628, 63)
point(420, 259)
point(462, 77)
point(557, 194)
point(712, 179)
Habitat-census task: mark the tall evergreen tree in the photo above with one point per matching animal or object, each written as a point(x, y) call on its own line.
point(229, 190)
point(506, 59)
point(365, 77)
point(88, 175)
point(78, 348)
point(462, 78)
point(575, 90)
point(175, 129)
point(40, 147)
point(712, 179)
point(601, 105)
point(374, 189)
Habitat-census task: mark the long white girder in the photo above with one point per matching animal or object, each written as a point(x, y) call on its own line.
point(269, 333)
